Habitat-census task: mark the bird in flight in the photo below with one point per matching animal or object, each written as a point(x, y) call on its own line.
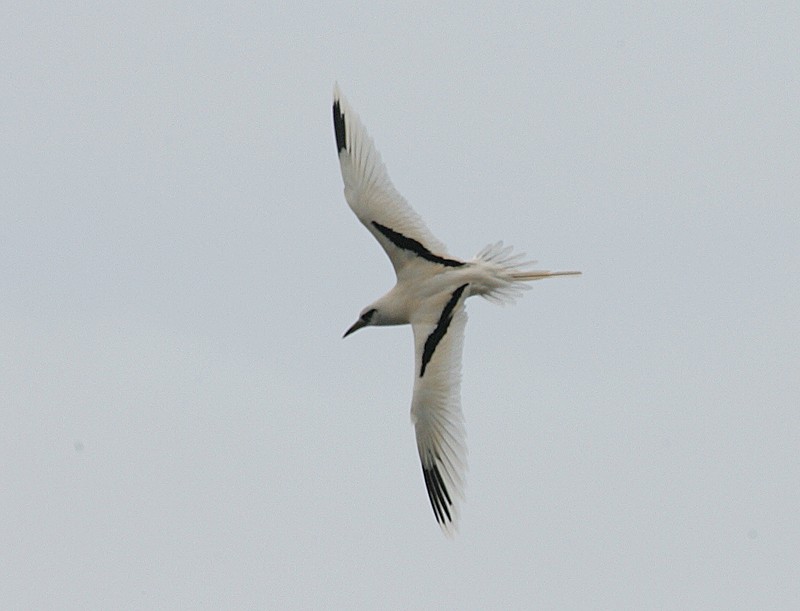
point(430, 292)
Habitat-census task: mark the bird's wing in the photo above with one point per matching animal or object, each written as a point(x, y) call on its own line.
point(436, 406)
point(374, 199)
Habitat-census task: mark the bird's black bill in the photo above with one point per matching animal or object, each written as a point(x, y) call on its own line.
point(358, 324)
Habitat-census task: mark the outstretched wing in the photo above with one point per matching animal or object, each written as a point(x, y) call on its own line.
point(374, 199)
point(436, 406)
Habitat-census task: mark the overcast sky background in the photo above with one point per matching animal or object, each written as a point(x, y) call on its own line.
point(181, 425)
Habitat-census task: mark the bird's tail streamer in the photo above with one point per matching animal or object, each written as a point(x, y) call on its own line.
point(511, 272)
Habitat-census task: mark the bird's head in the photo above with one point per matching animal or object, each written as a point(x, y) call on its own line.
point(365, 319)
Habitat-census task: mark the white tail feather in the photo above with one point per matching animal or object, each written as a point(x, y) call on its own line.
point(509, 273)
point(538, 275)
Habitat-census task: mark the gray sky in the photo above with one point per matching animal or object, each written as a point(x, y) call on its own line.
point(181, 425)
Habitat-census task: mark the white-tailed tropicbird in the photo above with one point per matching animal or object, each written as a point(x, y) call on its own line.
point(430, 293)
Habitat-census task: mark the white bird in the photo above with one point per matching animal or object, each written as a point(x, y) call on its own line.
point(429, 294)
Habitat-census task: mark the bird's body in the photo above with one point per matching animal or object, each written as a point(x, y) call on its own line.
point(429, 294)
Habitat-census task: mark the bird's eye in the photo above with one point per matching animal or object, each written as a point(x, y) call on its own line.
point(367, 316)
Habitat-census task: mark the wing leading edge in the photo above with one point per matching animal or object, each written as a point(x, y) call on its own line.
point(436, 407)
point(373, 198)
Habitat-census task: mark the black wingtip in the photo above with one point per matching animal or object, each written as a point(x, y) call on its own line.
point(338, 126)
point(438, 495)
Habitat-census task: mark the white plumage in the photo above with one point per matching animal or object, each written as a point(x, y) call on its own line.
point(429, 294)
